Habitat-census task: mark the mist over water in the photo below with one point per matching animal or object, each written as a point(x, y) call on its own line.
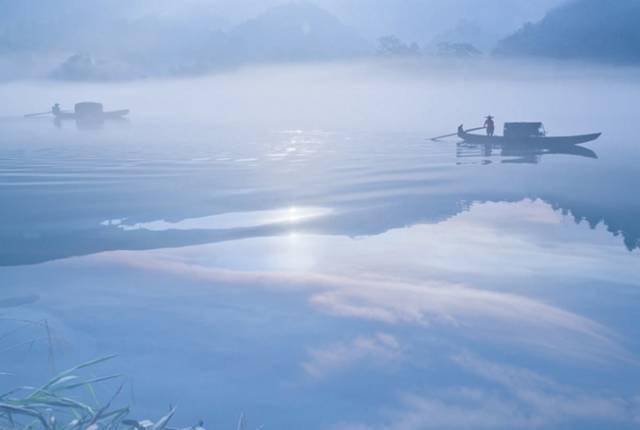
point(400, 95)
point(285, 242)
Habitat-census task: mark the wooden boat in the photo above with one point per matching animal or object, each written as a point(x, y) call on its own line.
point(526, 134)
point(90, 111)
point(116, 114)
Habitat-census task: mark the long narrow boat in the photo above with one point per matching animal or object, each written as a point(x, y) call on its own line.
point(90, 111)
point(116, 114)
point(538, 138)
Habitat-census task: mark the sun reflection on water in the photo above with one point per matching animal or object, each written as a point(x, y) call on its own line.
point(231, 220)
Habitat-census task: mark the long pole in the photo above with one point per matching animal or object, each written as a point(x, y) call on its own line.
point(31, 115)
point(455, 134)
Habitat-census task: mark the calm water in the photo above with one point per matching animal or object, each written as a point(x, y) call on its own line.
point(333, 277)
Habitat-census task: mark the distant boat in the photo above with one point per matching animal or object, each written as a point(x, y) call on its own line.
point(526, 133)
point(90, 111)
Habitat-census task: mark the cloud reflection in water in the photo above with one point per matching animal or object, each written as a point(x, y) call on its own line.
point(415, 277)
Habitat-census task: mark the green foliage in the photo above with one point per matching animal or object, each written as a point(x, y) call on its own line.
point(56, 405)
point(53, 407)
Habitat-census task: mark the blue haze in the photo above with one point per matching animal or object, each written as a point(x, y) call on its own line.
point(271, 233)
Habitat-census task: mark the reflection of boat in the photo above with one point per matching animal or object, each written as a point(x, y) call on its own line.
point(90, 111)
point(521, 153)
point(527, 134)
point(519, 150)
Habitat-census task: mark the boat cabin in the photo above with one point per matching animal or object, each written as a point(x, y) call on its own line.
point(88, 109)
point(524, 129)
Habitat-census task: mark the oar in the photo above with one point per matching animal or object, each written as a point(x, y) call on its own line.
point(455, 134)
point(32, 115)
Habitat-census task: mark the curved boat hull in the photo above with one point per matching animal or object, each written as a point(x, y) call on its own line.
point(117, 114)
point(542, 141)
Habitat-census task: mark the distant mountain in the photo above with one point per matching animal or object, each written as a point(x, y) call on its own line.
point(295, 31)
point(123, 39)
point(582, 29)
point(423, 20)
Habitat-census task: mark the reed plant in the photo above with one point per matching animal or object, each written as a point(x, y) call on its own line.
point(60, 404)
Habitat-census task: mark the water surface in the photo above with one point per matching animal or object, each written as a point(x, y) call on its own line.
point(333, 277)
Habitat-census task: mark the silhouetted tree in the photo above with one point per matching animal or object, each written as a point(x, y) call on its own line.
point(584, 29)
point(391, 46)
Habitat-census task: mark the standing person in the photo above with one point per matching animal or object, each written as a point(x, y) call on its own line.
point(490, 125)
point(56, 109)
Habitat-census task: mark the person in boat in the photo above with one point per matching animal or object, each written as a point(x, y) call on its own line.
point(490, 125)
point(56, 109)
